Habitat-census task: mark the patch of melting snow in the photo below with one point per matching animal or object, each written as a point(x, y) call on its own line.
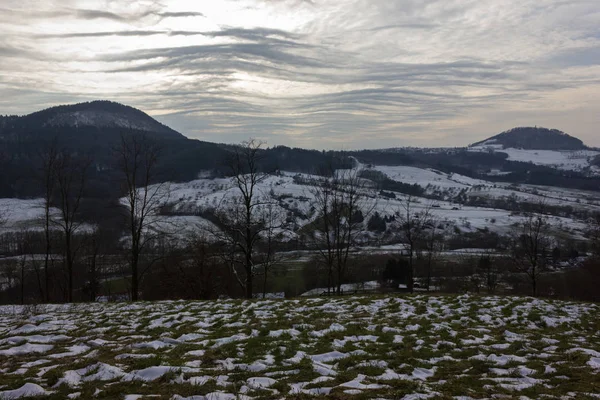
point(155, 345)
point(44, 339)
point(73, 351)
point(150, 374)
point(125, 356)
point(356, 383)
point(326, 357)
point(324, 369)
point(277, 333)
point(499, 360)
point(418, 396)
point(260, 382)
point(594, 362)
point(27, 390)
point(230, 339)
point(190, 337)
point(35, 363)
point(199, 380)
point(423, 373)
point(26, 348)
point(29, 328)
point(335, 327)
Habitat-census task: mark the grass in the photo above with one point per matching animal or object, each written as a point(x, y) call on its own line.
point(236, 341)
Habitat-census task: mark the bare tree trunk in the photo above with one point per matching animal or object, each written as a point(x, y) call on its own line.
point(414, 226)
point(244, 224)
point(531, 238)
point(49, 158)
point(339, 199)
point(23, 281)
point(137, 160)
point(70, 176)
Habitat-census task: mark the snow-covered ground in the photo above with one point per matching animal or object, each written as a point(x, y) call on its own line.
point(28, 214)
point(296, 199)
point(571, 160)
point(392, 347)
point(292, 197)
point(16, 214)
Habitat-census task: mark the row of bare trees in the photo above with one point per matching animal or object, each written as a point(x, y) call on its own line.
point(63, 179)
point(247, 229)
point(63, 176)
point(422, 232)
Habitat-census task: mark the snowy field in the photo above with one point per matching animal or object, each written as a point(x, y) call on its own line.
point(570, 160)
point(294, 200)
point(412, 347)
point(289, 195)
point(19, 214)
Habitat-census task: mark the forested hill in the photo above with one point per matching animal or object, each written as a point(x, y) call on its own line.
point(534, 138)
point(94, 130)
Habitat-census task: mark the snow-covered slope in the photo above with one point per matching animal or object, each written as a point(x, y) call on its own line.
point(96, 114)
point(191, 204)
point(295, 199)
point(569, 160)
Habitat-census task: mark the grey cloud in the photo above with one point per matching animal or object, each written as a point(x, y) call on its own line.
point(98, 14)
point(132, 33)
point(181, 14)
point(94, 14)
point(587, 56)
point(413, 25)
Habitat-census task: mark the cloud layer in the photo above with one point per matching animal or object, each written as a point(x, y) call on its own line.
point(319, 73)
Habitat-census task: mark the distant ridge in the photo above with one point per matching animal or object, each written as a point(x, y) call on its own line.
point(101, 114)
point(534, 138)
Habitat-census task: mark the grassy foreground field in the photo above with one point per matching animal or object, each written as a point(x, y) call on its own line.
point(409, 347)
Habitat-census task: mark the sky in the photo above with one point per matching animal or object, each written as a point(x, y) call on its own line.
point(341, 74)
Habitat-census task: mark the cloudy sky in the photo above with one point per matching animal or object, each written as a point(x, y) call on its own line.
point(313, 73)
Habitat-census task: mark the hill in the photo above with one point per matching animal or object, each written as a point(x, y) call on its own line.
point(94, 129)
point(534, 138)
point(94, 115)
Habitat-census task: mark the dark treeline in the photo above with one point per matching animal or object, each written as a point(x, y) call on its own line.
point(111, 236)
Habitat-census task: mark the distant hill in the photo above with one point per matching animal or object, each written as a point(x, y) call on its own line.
point(94, 115)
point(534, 138)
point(94, 129)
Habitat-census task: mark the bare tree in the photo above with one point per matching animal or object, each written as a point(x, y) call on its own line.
point(244, 223)
point(70, 176)
point(341, 204)
point(488, 267)
point(137, 161)
point(3, 217)
point(24, 242)
point(206, 267)
point(414, 224)
point(268, 255)
point(47, 177)
point(530, 242)
point(594, 234)
point(94, 249)
point(433, 245)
